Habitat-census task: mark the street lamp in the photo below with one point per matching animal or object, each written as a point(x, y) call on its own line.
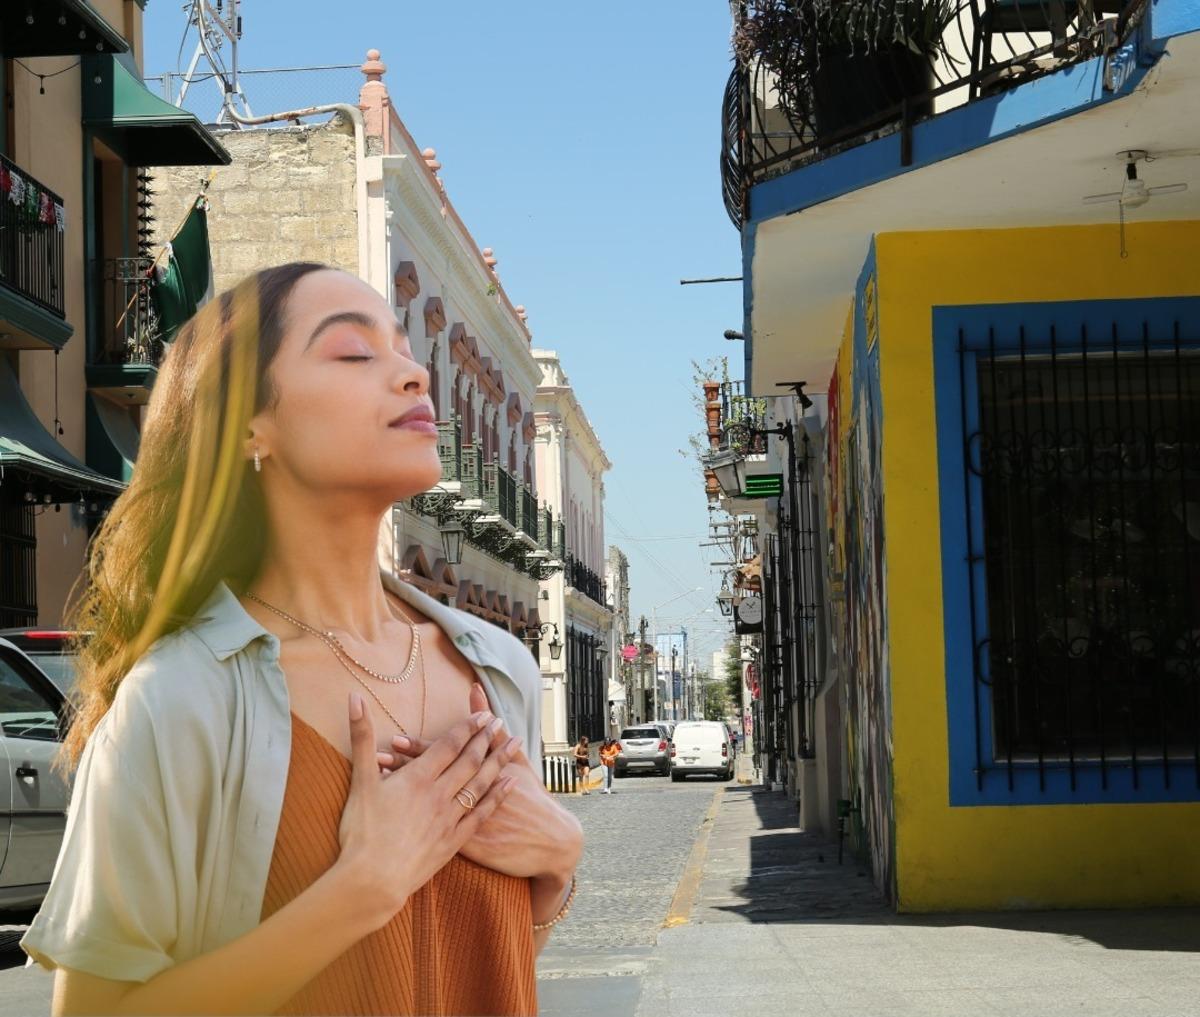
point(534, 633)
point(452, 532)
point(729, 467)
point(725, 599)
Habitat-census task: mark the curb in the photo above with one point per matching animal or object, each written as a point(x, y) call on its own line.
point(680, 912)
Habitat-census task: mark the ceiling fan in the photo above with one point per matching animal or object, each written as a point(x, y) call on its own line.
point(1134, 192)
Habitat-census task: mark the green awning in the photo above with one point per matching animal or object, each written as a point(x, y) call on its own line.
point(31, 459)
point(112, 438)
point(141, 128)
point(59, 28)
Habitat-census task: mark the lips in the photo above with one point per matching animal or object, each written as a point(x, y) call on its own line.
point(419, 419)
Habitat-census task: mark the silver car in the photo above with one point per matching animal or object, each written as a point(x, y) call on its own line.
point(33, 798)
point(645, 748)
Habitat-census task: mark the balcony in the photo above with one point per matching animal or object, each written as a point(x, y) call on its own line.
point(500, 493)
point(580, 577)
point(800, 92)
point(450, 451)
point(127, 355)
point(529, 514)
point(32, 281)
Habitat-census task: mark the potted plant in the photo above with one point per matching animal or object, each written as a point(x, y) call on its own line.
point(842, 63)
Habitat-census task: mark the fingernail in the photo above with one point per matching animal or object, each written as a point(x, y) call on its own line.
point(356, 706)
point(401, 742)
point(482, 721)
point(495, 725)
point(513, 746)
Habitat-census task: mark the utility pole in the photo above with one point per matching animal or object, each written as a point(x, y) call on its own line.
point(641, 703)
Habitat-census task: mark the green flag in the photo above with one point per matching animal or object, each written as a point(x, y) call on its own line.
point(183, 279)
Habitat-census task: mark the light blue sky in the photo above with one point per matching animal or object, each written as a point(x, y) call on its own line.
point(581, 142)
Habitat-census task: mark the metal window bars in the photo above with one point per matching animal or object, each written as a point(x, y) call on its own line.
point(31, 239)
point(1083, 477)
point(135, 337)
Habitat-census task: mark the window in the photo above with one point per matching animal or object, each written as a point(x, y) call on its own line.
point(1091, 519)
point(25, 711)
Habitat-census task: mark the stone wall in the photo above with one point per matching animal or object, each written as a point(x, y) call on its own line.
point(289, 195)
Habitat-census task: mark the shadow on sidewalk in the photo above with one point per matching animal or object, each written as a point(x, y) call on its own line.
point(794, 877)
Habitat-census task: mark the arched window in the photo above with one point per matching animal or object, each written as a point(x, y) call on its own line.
point(529, 466)
point(435, 393)
point(512, 454)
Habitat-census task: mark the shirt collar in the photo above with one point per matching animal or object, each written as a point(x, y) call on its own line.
point(226, 627)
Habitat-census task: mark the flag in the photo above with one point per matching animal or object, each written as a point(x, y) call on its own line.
point(183, 279)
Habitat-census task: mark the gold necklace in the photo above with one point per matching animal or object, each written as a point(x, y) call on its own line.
point(340, 656)
point(328, 638)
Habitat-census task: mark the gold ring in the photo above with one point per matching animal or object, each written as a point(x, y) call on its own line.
point(471, 799)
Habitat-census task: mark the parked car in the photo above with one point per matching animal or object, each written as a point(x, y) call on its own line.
point(50, 649)
point(645, 747)
point(701, 746)
point(33, 797)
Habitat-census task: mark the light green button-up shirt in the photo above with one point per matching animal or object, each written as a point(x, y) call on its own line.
point(177, 798)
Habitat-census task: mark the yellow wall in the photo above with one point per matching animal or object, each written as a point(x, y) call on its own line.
point(1012, 856)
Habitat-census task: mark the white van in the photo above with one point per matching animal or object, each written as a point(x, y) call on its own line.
point(701, 746)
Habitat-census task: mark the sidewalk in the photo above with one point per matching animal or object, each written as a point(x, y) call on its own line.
point(772, 926)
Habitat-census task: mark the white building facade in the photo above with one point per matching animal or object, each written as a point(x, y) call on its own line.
point(570, 463)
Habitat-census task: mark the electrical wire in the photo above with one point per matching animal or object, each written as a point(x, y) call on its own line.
point(42, 77)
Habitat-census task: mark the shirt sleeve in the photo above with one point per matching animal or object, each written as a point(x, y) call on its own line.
point(111, 908)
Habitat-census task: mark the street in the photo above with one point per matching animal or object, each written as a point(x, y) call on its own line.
point(703, 898)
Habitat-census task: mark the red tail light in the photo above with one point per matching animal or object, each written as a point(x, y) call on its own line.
point(725, 750)
point(662, 747)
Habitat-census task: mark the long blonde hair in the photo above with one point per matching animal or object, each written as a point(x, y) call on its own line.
point(191, 517)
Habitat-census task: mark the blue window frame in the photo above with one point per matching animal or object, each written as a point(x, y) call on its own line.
point(1019, 669)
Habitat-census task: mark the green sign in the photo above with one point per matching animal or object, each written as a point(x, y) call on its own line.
point(765, 485)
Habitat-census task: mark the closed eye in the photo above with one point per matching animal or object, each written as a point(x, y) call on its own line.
point(356, 358)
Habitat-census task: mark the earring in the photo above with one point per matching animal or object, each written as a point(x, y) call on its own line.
point(257, 461)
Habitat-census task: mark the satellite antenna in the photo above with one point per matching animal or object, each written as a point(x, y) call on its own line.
point(218, 24)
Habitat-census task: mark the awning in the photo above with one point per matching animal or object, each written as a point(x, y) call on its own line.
point(112, 438)
point(60, 28)
point(141, 128)
point(32, 459)
point(616, 692)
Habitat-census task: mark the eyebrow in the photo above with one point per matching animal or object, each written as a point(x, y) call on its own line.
point(364, 321)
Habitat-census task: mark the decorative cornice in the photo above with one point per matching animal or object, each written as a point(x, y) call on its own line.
point(408, 283)
point(435, 316)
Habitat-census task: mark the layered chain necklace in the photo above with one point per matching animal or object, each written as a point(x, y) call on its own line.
point(345, 658)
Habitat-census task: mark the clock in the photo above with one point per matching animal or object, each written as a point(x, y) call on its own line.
point(749, 614)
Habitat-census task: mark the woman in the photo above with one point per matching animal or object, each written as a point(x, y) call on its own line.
point(268, 816)
point(583, 762)
point(608, 757)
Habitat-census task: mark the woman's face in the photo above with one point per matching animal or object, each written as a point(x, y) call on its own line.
point(352, 411)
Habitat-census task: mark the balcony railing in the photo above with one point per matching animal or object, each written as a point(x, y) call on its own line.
point(799, 92)
point(472, 470)
point(529, 513)
point(32, 228)
point(741, 416)
point(583, 579)
point(500, 492)
point(135, 337)
point(450, 449)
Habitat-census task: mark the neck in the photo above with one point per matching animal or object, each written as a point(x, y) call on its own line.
point(321, 564)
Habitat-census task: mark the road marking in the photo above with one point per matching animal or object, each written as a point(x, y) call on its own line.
point(680, 912)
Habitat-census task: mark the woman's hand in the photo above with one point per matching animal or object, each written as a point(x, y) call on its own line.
point(398, 830)
point(529, 834)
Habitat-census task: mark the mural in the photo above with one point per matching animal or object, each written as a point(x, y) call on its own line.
point(854, 508)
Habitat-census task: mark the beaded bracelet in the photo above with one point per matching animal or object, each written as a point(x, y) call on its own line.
point(563, 912)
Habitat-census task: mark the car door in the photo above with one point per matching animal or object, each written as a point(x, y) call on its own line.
point(30, 710)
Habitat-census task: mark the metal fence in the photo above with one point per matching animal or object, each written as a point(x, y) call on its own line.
point(1084, 495)
point(31, 238)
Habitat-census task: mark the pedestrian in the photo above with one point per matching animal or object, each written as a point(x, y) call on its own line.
point(265, 818)
point(583, 762)
point(608, 757)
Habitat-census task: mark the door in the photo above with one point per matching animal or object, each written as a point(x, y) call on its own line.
point(29, 725)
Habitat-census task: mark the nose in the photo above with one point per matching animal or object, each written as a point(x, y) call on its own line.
point(410, 376)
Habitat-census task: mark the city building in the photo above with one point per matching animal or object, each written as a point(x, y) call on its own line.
point(616, 587)
point(78, 130)
point(977, 611)
point(359, 194)
point(570, 465)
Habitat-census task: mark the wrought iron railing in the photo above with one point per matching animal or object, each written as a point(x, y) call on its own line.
point(741, 417)
point(32, 229)
point(472, 470)
point(529, 513)
point(583, 579)
point(1083, 489)
point(799, 93)
point(450, 449)
point(134, 336)
point(500, 492)
point(546, 529)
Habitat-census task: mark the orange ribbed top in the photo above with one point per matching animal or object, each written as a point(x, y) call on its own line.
point(462, 944)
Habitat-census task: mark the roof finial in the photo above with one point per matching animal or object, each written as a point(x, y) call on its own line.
point(373, 68)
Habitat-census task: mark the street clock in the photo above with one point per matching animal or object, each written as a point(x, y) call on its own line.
point(748, 615)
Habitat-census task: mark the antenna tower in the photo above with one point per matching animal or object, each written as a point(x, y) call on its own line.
point(218, 26)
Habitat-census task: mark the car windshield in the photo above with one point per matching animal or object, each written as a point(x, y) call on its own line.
point(640, 732)
point(59, 668)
